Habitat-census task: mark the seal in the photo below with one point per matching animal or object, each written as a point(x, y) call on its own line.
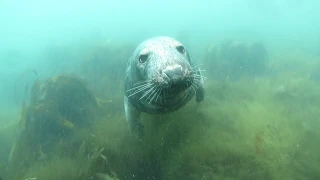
point(160, 78)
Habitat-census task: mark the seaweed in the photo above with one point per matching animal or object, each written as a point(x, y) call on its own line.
point(58, 106)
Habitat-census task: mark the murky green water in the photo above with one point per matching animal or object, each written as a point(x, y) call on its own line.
point(62, 75)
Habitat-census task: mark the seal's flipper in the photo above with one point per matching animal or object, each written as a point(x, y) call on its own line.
point(200, 91)
point(200, 94)
point(132, 117)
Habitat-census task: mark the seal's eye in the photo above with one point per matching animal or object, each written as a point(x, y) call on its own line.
point(181, 49)
point(143, 58)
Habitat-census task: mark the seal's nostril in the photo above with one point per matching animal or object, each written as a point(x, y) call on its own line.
point(174, 72)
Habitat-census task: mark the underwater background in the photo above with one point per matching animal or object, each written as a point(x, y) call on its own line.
point(62, 66)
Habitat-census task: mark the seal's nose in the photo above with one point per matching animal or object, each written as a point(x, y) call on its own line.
point(174, 73)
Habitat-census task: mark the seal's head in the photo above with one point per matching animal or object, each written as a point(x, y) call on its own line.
point(161, 76)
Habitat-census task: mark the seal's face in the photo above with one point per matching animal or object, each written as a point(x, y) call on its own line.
point(166, 64)
point(160, 76)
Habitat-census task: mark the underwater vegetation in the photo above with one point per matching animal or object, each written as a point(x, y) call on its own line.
point(57, 107)
point(261, 126)
point(233, 59)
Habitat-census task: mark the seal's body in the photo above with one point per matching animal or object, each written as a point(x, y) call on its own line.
point(160, 78)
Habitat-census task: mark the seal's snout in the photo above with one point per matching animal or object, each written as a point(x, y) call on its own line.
point(173, 73)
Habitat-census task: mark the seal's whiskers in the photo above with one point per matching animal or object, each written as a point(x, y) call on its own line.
point(140, 86)
point(196, 83)
point(158, 93)
point(152, 93)
point(198, 77)
point(141, 89)
point(147, 92)
point(142, 82)
point(193, 87)
point(199, 70)
point(196, 66)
